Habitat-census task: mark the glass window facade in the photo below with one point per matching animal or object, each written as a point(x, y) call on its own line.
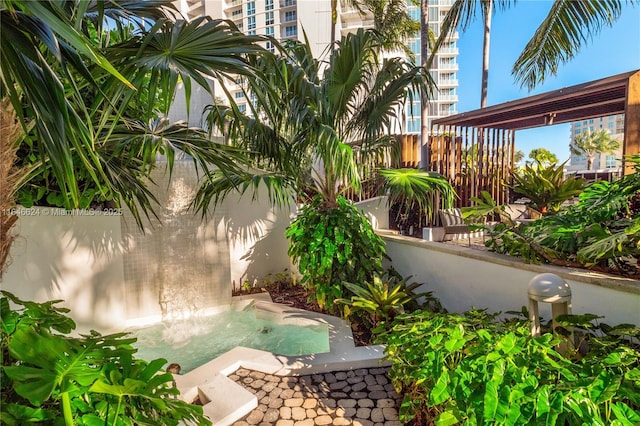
point(291, 31)
point(268, 18)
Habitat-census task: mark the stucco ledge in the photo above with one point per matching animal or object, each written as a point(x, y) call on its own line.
point(575, 274)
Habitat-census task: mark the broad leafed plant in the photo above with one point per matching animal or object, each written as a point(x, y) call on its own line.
point(89, 72)
point(315, 127)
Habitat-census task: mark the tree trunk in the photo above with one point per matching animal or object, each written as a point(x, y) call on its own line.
point(485, 52)
point(424, 98)
point(334, 21)
point(10, 175)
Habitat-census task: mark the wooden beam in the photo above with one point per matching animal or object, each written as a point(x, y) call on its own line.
point(631, 143)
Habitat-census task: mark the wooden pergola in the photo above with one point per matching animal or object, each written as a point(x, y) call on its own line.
point(476, 149)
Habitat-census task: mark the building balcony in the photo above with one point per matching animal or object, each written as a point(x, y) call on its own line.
point(447, 98)
point(448, 82)
point(288, 3)
point(448, 51)
point(233, 4)
point(448, 67)
point(359, 23)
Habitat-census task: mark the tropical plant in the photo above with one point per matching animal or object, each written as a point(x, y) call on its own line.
point(518, 156)
point(83, 71)
point(332, 246)
point(601, 231)
point(462, 13)
point(413, 190)
point(545, 187)
point(52, 377)
point(485, 207)
point(10, 176)
point(306, 131)
point(568, 26)
point(392, 19)
point(384, 298)
point(472, 368)
point(592, 143)
point(542, 157)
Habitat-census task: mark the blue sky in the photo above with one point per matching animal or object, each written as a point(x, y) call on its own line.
point(615, 50)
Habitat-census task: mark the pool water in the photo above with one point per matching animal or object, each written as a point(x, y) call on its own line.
point(193, 342)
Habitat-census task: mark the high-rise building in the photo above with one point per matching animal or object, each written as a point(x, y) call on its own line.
point(614, 124)
point(292, 19)
point(443, 71)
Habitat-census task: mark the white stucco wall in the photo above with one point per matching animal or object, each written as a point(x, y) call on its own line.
point(83, 259)
point(256, 235)
point(463, 278)
point(77, 258)
point(377, 210)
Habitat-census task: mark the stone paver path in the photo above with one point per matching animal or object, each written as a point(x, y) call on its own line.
point(363, 397)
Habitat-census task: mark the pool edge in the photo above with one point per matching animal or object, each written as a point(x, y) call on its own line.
point(210, 382)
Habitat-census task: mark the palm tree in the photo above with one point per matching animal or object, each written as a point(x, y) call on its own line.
point(463, 13)
point(314, 130)
point(593, 143)
point(393, 22)
point(307, 132)
point(334, 17)
point(10, 176)
point(84, 79)
point(568, 26)
point(83, 70)
point(543, 157)
point(425, 47)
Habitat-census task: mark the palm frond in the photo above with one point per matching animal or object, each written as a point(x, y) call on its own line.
point(413, 188)
point(568, 26)
point(185, 51)
point(281, 188)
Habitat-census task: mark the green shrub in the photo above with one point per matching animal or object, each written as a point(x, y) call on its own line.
point(53, 378)
point(332, 245)
point(546, 187)
point(384, 298)
point(472, 369)
point(601, 231)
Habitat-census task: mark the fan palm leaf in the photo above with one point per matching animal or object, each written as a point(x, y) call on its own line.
point(55, 69)
point(415, 189)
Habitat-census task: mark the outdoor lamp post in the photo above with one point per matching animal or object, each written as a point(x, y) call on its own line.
point(548, 288)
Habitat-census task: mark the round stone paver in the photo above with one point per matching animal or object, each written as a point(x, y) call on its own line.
point(321, 399)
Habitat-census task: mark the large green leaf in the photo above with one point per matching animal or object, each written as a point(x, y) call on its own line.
point(52, 361)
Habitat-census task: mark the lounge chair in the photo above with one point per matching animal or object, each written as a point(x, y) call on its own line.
point(453, 224)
